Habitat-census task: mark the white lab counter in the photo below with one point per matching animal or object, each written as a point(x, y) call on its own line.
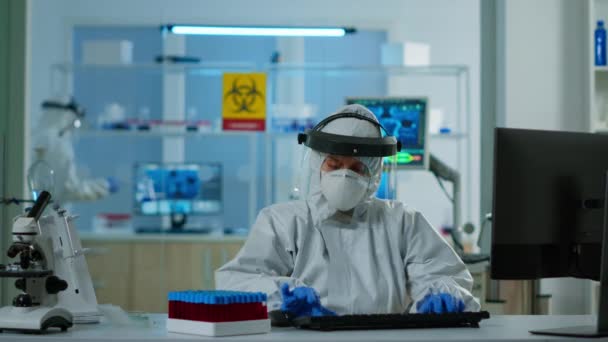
point(133, 237)
point(499, 328)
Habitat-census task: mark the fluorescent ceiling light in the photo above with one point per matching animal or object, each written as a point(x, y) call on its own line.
point(260, 31)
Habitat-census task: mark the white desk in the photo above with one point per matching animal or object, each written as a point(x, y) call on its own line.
point(499, 328)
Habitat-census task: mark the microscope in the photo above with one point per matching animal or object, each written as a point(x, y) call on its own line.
point(50, 271)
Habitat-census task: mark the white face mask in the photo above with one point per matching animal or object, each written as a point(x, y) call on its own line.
point(344, 188)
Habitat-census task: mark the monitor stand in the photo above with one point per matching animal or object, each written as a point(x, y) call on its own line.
point(601, 328)
point(178, 221)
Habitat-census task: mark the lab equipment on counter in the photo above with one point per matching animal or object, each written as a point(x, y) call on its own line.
point(550, 212)
point(176, 59)
point(178, 190)
point(113, 223)
point(51, 272)
point(113, 117)
point(288, 118)
point(218, 313)
point(392, 321)
point(600, 44)
point(407, 119)
point(40, 176)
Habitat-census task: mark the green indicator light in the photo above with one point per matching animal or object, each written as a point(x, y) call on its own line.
point(405, 158)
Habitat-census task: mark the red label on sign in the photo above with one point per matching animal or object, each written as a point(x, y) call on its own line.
point(244, 125)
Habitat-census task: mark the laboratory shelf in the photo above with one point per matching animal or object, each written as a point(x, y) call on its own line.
point(204, 68)
point(207, 68)
point(336, 69)
point(92, 133)
point(159, 134)
point(601, 68)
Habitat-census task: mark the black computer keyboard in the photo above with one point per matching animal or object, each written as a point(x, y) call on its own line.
point(391, 321)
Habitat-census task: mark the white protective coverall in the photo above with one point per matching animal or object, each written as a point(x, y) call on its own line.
point(53, 135)
point(382, 258)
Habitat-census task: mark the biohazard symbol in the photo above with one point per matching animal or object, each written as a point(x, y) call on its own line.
point(244, 95)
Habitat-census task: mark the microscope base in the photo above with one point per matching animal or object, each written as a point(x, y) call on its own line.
point(34, 319)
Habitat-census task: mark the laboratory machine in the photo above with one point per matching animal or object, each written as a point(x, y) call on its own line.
point(51, 273)
point(405, 118)
point(549, 211)
point(177, 190)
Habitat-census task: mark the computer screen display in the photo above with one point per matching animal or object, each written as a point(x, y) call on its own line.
point(548, 213)
point(406, 119)
point(178, 188)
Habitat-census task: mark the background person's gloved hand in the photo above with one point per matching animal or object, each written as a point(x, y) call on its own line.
point(302, 301)
point(112, 185)
point(439, 303)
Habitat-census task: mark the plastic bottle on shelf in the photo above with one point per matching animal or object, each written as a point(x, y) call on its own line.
point(600, 44)
point(191, 119)
point(143, 119)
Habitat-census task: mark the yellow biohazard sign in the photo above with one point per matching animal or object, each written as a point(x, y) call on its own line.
point(244, 101)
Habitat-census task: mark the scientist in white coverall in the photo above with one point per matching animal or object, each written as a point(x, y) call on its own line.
point(343, 247)
point(52, 141)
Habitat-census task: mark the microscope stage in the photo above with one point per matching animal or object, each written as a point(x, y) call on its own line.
point(25, 274)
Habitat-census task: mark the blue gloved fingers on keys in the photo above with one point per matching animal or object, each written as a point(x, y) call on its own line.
point(440, 303)
point(326, 312)
point(452, 303)
point(303, 301)
point(449, 302)
point(319, 310)
point(290, 302)
point(424, 305)
point(285, 291)
point(311, 296)
point(436, 304)
point(461, 305)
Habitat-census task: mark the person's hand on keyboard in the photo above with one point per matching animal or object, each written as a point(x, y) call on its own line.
point(302, 301)
point(439, 303)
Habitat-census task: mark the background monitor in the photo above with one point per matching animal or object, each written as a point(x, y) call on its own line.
point(406, 119)
point(548, 207)
point(178, 188)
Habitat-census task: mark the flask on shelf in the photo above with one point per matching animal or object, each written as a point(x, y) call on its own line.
point(40, 176)
point(600, 44)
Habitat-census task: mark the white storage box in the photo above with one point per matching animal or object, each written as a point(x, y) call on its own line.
point(107, 52)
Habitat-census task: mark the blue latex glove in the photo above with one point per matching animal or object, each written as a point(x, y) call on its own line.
point(302, 301)
point(440, 303)
point(112, 185)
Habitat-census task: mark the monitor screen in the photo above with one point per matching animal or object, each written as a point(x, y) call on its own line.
point(547, 216)
point(406, 119)
point(178, 188)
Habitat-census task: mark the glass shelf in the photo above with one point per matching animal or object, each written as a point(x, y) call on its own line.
point(92, 133)
point(207, 68)
point(431, 70)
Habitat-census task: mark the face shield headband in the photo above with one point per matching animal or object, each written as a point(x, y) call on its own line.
point(72, 107)
point(348, 145)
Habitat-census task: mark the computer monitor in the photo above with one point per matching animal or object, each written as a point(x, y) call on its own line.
point(178, 188)
point(548, 215)
point(405, 118)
